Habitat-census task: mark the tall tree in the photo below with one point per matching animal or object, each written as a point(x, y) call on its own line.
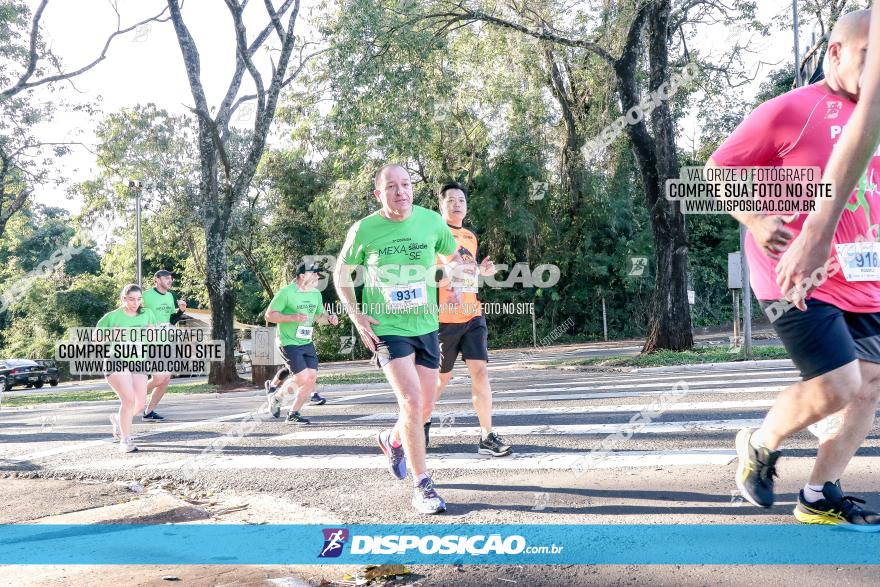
point(633, 41)
point(27, 63)
point(224, 181)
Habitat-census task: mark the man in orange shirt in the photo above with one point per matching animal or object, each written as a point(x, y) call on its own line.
point(462, 326)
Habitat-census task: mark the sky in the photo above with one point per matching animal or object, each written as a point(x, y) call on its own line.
point(146, 66)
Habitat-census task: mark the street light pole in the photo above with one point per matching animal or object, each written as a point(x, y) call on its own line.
point(135, 186)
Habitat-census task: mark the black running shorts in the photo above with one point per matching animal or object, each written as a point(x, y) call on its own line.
point(299, 357)
point(469, 339)
point(425, 347)
point(825, 337)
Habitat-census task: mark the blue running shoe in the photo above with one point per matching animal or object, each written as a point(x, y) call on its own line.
point(396, 456)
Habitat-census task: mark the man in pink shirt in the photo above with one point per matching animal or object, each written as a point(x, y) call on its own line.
point(836, 343)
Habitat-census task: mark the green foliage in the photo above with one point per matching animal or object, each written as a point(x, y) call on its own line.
point(471, 103)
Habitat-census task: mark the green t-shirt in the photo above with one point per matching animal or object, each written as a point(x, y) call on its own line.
point(400, 260)
point(291, 300)
point(119, 319)
point(163, 305)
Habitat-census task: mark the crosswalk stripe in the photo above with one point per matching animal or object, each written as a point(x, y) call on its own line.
point(673, 407)
point(714, 377)
point(698, 384)
point(507, 395)
point(558, 429)
point(516, 461)
point(109, 440)
point(617, 394)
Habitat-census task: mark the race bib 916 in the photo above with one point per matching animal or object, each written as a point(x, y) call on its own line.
point(859, 261)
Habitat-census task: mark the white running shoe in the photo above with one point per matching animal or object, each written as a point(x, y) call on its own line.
point(114, 421)
point(126, 445)
point(425, 498)
point(274, 401)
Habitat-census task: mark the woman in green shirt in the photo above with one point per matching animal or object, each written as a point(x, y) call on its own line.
point(131, 387)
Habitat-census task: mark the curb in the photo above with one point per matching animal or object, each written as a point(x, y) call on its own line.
point(729, 366)
point(254, 392)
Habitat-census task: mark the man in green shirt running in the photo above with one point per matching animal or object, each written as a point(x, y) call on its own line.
point(398, 315)
point(168, 311)
point(295, 308)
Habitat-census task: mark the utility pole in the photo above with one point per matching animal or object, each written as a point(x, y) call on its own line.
point(135, 186)
point(797, 48)
point(746, 297)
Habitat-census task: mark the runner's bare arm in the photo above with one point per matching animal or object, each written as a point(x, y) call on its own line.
point(345, 290)
point(327, 318)
point(768, 231)
point(277, 317)
point(848, 162)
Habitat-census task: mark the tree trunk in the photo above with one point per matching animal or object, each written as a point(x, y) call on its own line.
point(222, 298)
point(669, 326)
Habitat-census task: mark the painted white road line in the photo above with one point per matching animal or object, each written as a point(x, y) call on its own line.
point(715, 376)
point(673, 407)
point(599, 379)
point(554, 430)
point(349, 398)
point(153, 428)
point(617, 394)
point(93, 443)
point(516, 461)
point(698, 384)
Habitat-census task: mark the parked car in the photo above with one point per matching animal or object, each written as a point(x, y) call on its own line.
point(51, 370)
point(22, 373)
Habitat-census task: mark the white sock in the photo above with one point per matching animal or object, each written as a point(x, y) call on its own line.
point(813, 493)
point(755, 441)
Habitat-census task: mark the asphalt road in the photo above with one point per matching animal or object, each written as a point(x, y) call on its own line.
point(677, 469)
point(627, 347)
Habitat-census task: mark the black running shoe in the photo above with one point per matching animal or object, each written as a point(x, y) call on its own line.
point(493, 445)
point(755, 470)
point(297, 419)
point(427, 433)
point(836, 508)
point(153, 416)
point(317, 400)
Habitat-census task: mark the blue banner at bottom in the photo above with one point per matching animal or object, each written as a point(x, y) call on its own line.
point(119, 544)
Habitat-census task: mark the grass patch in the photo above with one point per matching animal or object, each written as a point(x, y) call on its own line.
point(30, 399)
point(12, 400)
point(351, 378)
point(671, 358)
point(200, 387)
point(91, 395)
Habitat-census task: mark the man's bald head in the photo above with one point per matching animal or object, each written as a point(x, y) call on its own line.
point(387, 167)
point(851, 27)
point(394, 191)
point(847, 47)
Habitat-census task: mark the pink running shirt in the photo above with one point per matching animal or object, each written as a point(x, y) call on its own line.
point(799, 129)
